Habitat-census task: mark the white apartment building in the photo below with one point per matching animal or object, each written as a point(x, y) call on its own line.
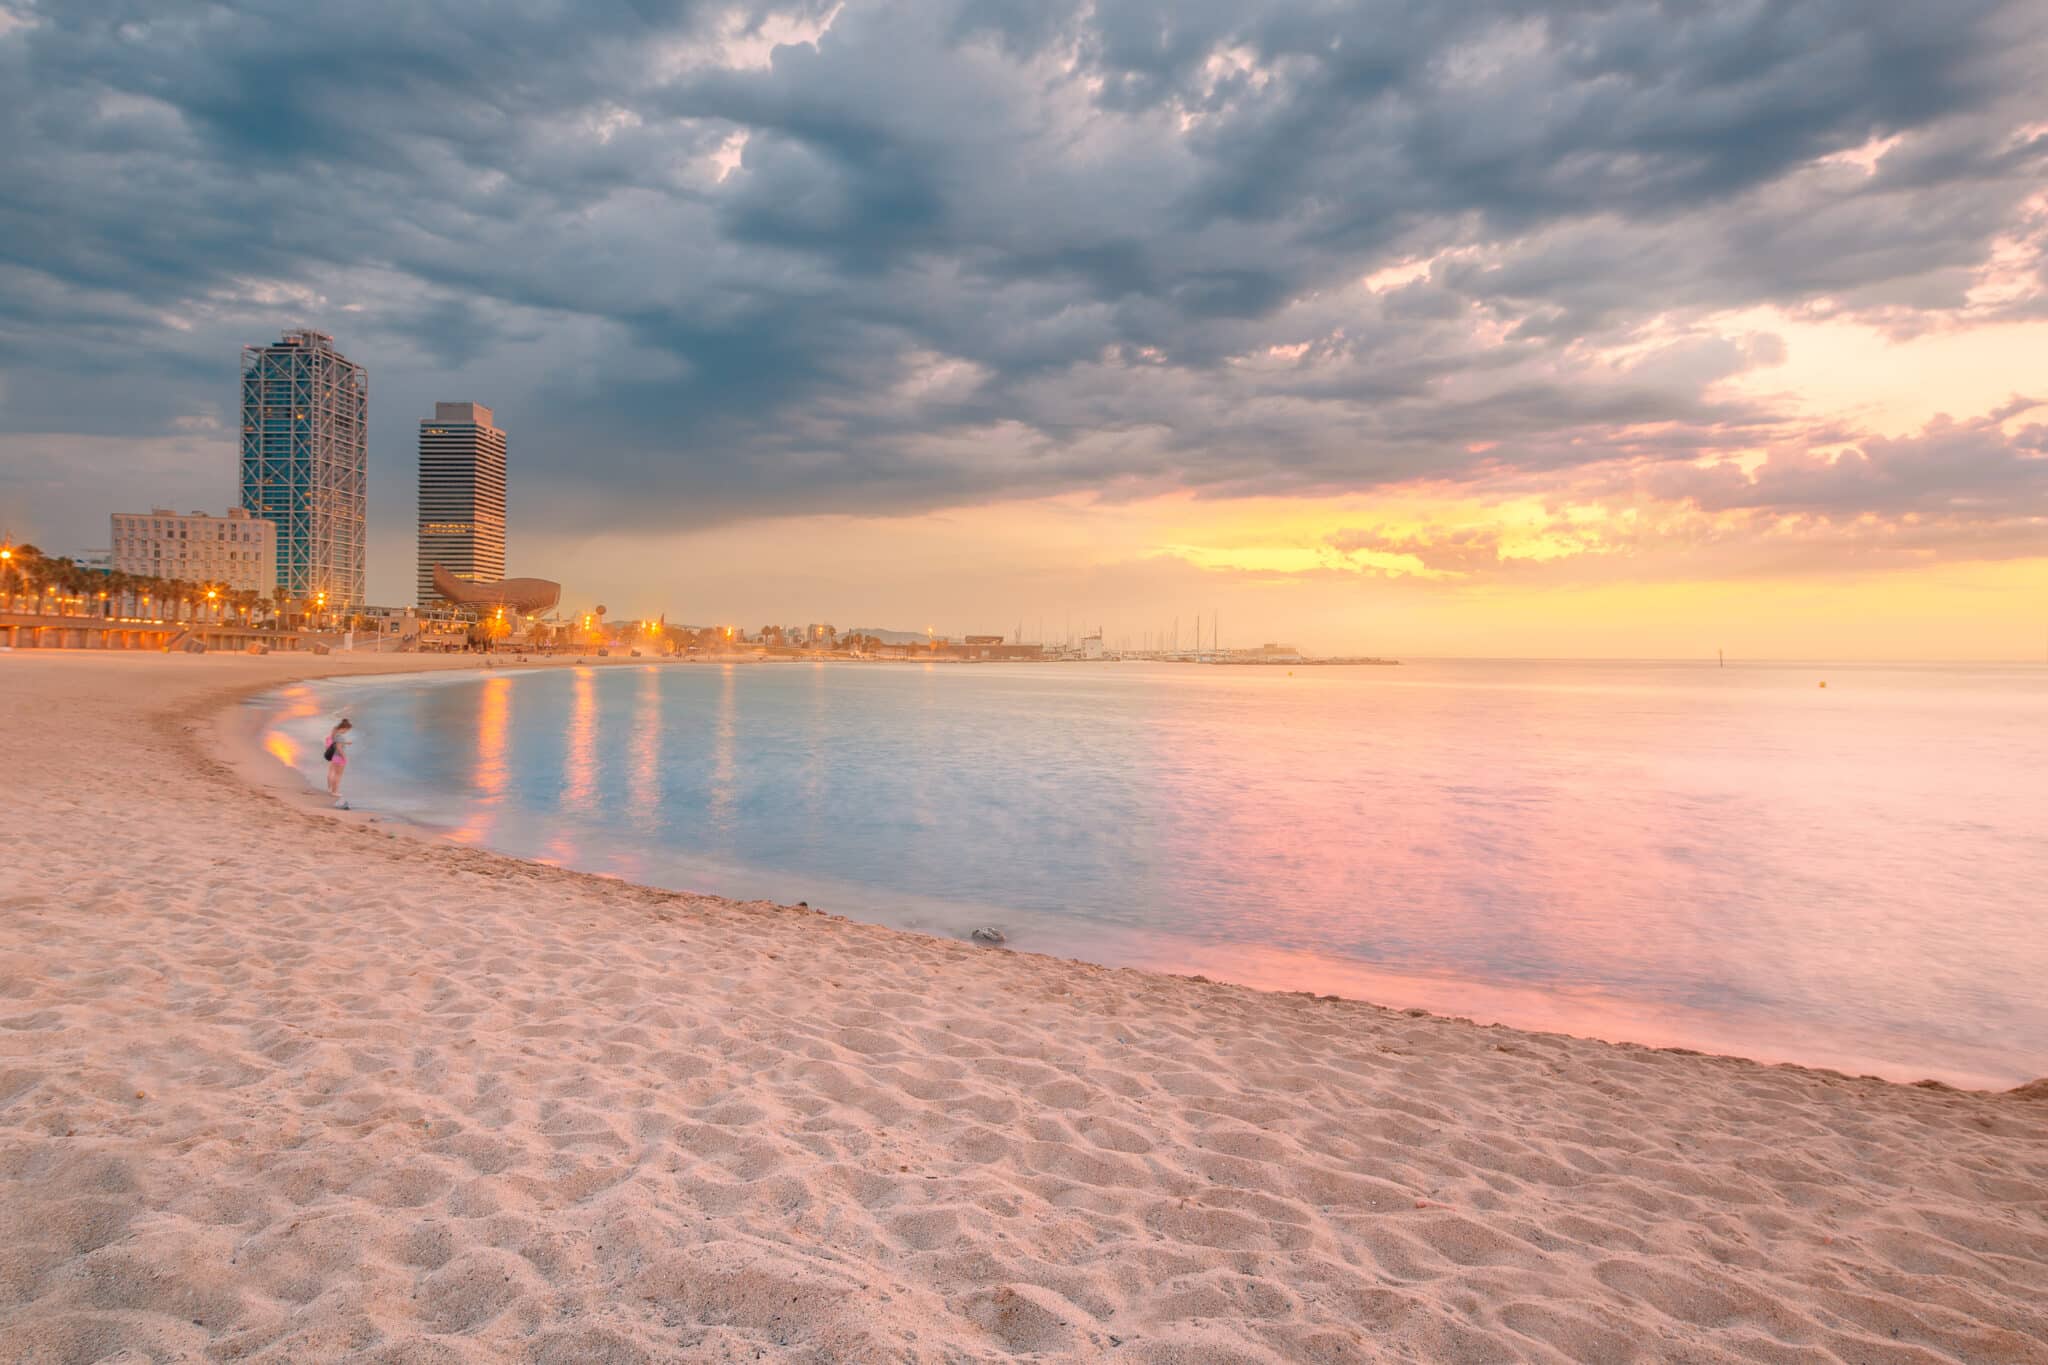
point(237, 551)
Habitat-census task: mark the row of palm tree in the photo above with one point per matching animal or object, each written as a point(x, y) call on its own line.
point(75, 589)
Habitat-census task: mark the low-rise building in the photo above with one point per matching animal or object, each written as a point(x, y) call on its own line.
point(989, 648)
point(237, 551)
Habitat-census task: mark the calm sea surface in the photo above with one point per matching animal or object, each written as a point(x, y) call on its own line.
point(1729, 859)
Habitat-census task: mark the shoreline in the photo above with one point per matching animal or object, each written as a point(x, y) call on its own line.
point(1479, 1003)
point(280, 1088)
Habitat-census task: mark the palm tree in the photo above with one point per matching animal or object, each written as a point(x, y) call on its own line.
point(55, 574)
point(42, 574)
point(26, 578)
point(82, 583)
point(176, 591)
point(72, 579)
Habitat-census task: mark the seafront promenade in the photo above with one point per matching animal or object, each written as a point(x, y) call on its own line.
point(32, 630)
point(277, 1084)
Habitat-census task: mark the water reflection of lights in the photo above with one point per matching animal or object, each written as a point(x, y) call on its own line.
point(579, 778)
point(724, 766)
point(644, 778)
point(493, 720)
point(493, 724)
point(276, 742)
point(811, 784)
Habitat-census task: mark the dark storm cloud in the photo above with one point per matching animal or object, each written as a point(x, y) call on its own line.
point(1953, 470)
point(950, 251)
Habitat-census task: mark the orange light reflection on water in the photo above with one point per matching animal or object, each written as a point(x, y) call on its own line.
point(276, 742)
point(493, 725)
point(493, 720)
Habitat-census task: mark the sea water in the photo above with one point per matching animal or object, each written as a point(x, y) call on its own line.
point(1733, 859)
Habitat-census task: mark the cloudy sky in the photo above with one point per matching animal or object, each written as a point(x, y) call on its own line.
point(1509, 328)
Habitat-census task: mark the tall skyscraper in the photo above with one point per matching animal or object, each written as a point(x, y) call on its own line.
point(462, 496)
point(305, 424)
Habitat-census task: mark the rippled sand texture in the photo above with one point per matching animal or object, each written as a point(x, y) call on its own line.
point(277, 1087)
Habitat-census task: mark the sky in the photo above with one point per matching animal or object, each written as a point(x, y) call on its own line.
point(1512, 328)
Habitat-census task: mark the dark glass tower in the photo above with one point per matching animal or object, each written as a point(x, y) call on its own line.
point(305, 423)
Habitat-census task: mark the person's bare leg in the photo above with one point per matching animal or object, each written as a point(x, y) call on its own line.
point(334, 780)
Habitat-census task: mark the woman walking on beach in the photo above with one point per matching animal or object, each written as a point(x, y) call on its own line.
point(337, 760)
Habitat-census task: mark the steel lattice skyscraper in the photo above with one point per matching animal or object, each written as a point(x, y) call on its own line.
point(305, 423)
point(462, 496)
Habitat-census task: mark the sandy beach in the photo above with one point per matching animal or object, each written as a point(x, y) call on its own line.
point(280, 1084)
